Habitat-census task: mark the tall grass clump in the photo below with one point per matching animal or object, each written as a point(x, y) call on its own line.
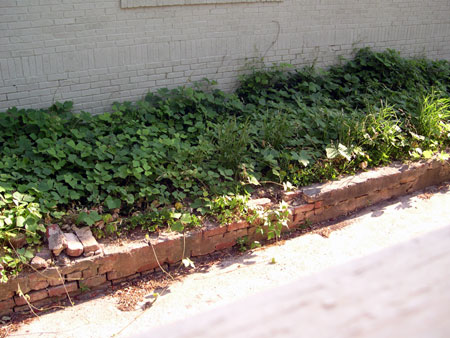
point(433, 116)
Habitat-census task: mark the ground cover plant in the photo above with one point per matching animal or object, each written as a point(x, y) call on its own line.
point(180, 156)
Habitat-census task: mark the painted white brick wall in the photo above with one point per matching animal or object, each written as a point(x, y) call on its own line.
point(95, 52)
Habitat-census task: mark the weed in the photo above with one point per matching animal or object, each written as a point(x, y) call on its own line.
point(433, 116)
point(232, 143)
point(242, 243)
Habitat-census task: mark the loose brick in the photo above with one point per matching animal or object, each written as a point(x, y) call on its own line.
point(56, 240)
point(74, 246)
point(87, 239)
point(39, 263)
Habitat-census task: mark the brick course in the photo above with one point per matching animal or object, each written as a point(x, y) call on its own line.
point(117, 264)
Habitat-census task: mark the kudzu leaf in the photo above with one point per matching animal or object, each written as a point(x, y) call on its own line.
point(112, 203)
point(20, 220)
point(252, 180)
point(332, 152)
point(177, 226)
point(185, 218)
point(89, 218)
point(345, 152)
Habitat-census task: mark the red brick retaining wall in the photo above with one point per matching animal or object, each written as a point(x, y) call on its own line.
point(315, 203)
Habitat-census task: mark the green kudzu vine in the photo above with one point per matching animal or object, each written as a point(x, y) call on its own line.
point(180, 156)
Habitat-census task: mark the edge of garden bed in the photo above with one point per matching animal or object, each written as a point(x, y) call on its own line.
point(312, 204)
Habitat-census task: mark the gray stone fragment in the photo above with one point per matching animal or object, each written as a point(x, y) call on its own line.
point(87, 239)
point(63, 260)
point(52, 229)
point(56, 241)
point(45, 254)
point(74, 246)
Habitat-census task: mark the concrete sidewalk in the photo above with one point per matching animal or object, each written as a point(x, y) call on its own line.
point(402, 291)
point(372, 230)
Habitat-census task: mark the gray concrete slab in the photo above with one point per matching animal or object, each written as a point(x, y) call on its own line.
point(402, 291)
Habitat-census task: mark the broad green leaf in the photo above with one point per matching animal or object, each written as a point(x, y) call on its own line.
point(252, 180)
point(112, 203)
point(185, 218)
point(344, 152)
point(332, 152)
point(177, 226)
point(89, 218)
point(427, 154)
point(20, 221)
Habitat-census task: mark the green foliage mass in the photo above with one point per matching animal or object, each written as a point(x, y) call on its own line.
point(169, 159)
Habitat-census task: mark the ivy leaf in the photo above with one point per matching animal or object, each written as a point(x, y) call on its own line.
point(112, 203)
point(185, 218)
point(252, 180)
point(302, 158)
point(344, 152)
point(89, 218)
point(332, 152)
point(20, 221)
point(427, 154)
point(177, 226)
